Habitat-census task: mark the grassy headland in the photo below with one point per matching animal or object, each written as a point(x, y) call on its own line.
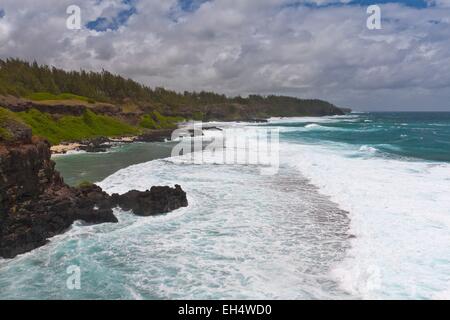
point(73, 128)
point(104, 104)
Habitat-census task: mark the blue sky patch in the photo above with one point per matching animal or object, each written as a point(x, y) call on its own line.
point(410, 3)
point(191, 5)
point(102, 24)
point(2, 13)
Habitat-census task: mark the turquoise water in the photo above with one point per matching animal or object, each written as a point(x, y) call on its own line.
point(391, 172)
point(95, 167)
point(358, 209)
point(421, 135)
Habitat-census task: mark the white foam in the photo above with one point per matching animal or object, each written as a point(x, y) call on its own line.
point(235, 240)
point(328, 119)
point(312, 125)
point(400, 217)
point(68, 153)
point(369, 149)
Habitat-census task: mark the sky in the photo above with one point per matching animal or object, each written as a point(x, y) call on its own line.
point(304, 48)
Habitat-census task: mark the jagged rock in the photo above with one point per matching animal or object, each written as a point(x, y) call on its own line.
point(18, 131)
point(212, 128)
point(12, 129)
point(256, 120)
point(157, 200)
point(36, 204)
point(99, 144)
point(155, 135)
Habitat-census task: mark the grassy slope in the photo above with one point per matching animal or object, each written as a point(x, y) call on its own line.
point(45, 96)
point(71, 128)
point(90, 125)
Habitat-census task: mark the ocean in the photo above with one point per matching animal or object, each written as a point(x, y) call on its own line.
point(359, 209)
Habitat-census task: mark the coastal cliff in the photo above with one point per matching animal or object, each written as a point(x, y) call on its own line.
point(70, 106)
point(36, 204)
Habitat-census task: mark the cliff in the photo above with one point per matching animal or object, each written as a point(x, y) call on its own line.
point(36, 204)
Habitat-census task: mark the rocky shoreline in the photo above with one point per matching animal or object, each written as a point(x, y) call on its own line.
point(102, 144)
point(36, 204)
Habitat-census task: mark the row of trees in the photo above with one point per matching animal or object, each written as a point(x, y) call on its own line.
point(21, 78)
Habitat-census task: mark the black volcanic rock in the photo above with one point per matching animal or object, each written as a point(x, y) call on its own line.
point(36, 204)
point(156, 136)
point(99, 144)
point(158, 200)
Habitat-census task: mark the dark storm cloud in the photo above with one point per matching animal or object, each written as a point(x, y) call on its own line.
point(248, 46)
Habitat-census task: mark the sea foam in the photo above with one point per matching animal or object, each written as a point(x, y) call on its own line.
point(399, 214)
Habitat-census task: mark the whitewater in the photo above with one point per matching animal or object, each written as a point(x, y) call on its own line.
point(342, 219)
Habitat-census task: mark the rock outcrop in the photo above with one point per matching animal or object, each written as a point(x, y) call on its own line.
point(157, 200)
point(155, 135)
point(36, 204)
point(99, 144)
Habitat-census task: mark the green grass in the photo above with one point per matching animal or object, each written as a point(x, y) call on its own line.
point(8, 118)
point(158, 121)
point(147, 122)
point(43, 96)
point(72, 128)
point(76, 128)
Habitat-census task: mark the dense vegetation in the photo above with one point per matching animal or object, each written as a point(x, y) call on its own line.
point(144, 108)
point(20, 78)
point(155, 120)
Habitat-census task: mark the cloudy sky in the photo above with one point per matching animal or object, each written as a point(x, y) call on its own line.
point(310, 48)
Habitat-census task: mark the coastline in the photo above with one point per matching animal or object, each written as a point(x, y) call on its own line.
point(214, 231)
point(85, 160)
point(349, 231)
point(103, 143)
point(36, 203)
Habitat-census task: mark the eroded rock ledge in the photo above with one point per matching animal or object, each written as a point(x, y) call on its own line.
point(36, 204)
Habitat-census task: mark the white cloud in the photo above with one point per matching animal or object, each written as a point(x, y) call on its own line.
point(249, 46)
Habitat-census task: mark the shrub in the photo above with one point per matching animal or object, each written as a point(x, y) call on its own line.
point(147, 122)
point(155, 120)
